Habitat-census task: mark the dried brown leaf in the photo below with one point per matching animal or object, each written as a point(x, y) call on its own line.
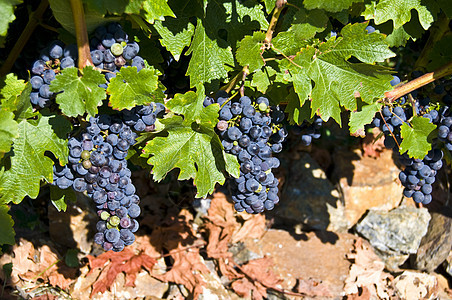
point(312, 288)
point(372, 147)
point(367, 271)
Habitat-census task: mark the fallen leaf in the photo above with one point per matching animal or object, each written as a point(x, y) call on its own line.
point(367, 271)
point(311, 287)
point(372, 144)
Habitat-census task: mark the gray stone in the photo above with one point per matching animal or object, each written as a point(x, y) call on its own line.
point(309, 198)
point(448, 264)
point(395, 234)
point(436, 244)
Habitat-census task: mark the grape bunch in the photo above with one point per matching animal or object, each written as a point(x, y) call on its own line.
point(252, 132)
point(51, 61)
point(111, 50)
point(97, 167)
point(309, 131)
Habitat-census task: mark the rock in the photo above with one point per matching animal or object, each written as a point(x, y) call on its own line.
point(241, 254)
point(75, 227)
point(367, 183)
point(306, 259)
point(309, 198)
point(448, 264)
point(413, 286)
point(395, 234)
point(436, 244)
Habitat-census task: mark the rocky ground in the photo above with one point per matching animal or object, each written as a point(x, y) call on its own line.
point(342, 230)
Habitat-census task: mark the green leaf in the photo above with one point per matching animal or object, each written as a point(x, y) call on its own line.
point(78, 95)
point(440, 55)
point(7, 14)
point(26, 165)
point(60, 197)
point(415, 137)
point(190, 105)
point(6, 226)
point(157, 10)
point(269, 5)
point(249, 51)
point(191, 144)
point(175, 34)
point(398, 37)
point(261, 79)
point(328, 5)
point(8, 131)
point(305, 25)
point(339, 82)
point(232, 165)
point(131, 88)
point(398, 11)
point(115, 7)
point(360, 118)
point(208, 58)
point(63, 14)
point(15, 97)
point(297, 112)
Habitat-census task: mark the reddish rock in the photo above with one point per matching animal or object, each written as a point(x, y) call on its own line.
point(316, 259)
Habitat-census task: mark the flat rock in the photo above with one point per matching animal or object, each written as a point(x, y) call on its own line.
point(307, 259)
point(309, 198)
point(395, 234)
point(366, 182)
point(75, 227)
point(436, 244)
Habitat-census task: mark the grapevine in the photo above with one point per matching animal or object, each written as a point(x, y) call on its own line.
point(210, 95)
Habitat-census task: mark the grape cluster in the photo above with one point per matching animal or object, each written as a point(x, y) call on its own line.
point(418, 174)
point(309, 131)
point(97, 167)
point(252, 132)
point(111, 50)
point(51, 61)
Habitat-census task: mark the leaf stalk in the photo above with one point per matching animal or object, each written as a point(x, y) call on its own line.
point(279, 6)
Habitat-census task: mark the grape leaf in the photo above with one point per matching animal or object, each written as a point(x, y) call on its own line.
point(175, 34)
point(305, 25)
point(60, 197)
point(269, 5)
point(26, 165)
point(157, 10)
point(7, 14)
point(190, 105)
point(15, 97)
point(398, 37)
point(63, 14)
point(8, 131)
point(446, 7)
point(360, 118)
point(328, 5)
point(131, 88)
point(78, 95)
point(440, 55)
point(261, 79)
point(191, 144)
point(297, 113)
point(339, 82)
point(208, 58)
point(249, 52)
point(398, 11)
point(6, 226)
point(415, 137)
point(115, 7)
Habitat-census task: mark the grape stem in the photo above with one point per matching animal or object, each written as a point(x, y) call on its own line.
point(279, 6)
point(437, 32)
point(33, 22)
point(81, 33)
point(245, 73)
point(418, 82)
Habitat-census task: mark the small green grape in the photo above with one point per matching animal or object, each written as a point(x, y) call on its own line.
point(116, 49)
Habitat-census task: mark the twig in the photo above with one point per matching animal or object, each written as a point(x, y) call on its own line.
point(419, 82)
point(24, 37)
point(437, 31)
point(81, 32)
point(279, 5)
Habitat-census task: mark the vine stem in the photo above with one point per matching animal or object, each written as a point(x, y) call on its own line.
point(279, 6)
point(419, 82)
point(33, 22)
point(81, 33)
point(245, 73)
point(438, 30)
